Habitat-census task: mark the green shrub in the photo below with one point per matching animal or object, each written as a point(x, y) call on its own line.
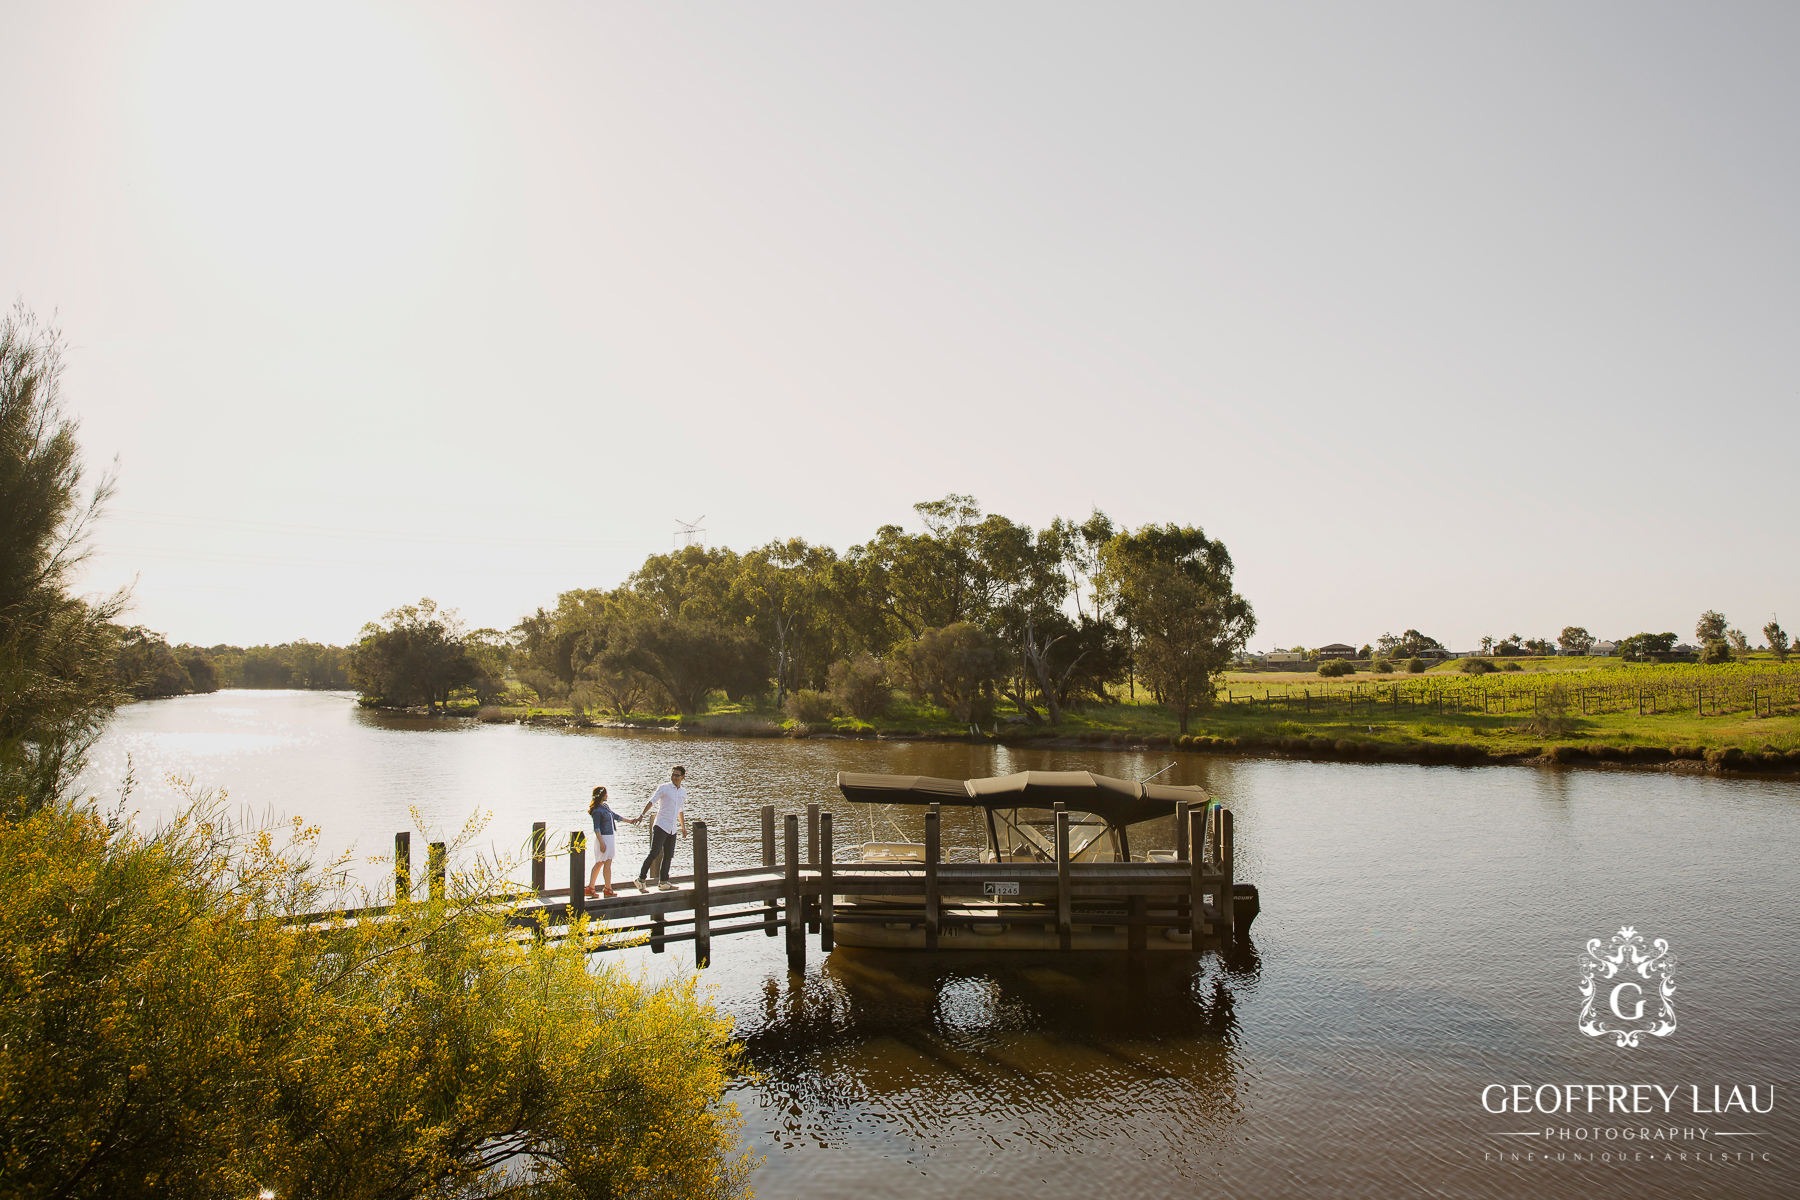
point(1346, 747)
point(1715, 652)
point(860, 687)
point(1331, 668)
point(1381, 666)
point(1512, 666)
point(1477, 666)
point(811, 708)
point(1415, 666)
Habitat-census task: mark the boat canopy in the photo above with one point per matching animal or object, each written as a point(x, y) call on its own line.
point(1116, 801)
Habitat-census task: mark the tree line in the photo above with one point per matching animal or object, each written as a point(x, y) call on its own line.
point(967, 610)
point(149, 668)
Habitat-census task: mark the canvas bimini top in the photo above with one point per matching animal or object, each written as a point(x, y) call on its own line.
point(1115, 801)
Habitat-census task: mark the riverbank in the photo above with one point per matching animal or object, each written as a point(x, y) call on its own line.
point(1383, 744)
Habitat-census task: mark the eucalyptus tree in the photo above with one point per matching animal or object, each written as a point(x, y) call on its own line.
point(1172, 585)
point(57, 680)
point(782, 586)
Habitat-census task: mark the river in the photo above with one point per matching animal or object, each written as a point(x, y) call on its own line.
point(1420, 940)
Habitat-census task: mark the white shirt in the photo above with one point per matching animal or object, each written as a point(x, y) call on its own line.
point(670, 801)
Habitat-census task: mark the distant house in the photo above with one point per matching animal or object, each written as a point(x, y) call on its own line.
point(1337, 650)
point(1283, 656)
point(1684, 648)
point(1434, 654)
point(1605, 648)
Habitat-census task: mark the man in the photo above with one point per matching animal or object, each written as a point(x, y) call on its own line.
point(670, 803)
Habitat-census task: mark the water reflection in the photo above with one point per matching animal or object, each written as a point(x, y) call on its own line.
point(1075, 1050)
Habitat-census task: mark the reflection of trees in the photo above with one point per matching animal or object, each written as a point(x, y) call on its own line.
point(1039, 1048)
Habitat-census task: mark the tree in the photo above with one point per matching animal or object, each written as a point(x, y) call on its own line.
point(1188, 632)
point(1714, 653)
point(1710, 627)
point(1487, 645)
point(416, 656)
point(1740, 645)
point(148, 667)
point(58, 685)
point(1172, 586)
point(1412, 643)
point(1777, 638)
point(955, 667)
point(1645, 645)
point(690, 658)
point(1575, 640)
point(1539, 646)
point(780, 584)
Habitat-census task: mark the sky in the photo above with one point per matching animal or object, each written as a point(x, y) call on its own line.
point(1474, 319)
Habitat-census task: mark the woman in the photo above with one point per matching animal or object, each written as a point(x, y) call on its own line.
point(606, 825)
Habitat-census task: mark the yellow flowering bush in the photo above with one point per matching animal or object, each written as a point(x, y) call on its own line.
point(168, 1028)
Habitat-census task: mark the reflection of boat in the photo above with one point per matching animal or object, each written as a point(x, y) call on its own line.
point(1068, 879)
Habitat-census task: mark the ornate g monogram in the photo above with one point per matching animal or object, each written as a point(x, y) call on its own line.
point(1639, 1002)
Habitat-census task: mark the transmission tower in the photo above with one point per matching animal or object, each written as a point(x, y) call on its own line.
point(688, 531)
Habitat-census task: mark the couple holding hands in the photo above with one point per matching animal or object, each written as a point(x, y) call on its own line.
point(670, 803)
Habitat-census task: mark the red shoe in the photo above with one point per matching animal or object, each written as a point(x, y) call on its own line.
point(609, 892)
point(591, 893)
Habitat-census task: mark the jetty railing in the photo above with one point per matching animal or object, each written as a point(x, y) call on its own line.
point(796, 892)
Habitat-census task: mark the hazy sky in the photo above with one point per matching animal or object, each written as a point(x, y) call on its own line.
point(1479, 320)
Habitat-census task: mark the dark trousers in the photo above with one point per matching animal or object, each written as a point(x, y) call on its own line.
point(662, 845)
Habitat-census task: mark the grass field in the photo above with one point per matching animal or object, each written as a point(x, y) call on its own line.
point(1754, 706)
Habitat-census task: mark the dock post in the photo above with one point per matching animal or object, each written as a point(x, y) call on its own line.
point(812, 859)
point(1184, 850)
point(796, 917)
point(437, 870)
point(1137, 934)
point(1218, 834)
point(827, 935)
point(538, 882)
point(402, 867)
point(702, 901)
point(933, 847)
point(1065, 909)
point(1197, 875)
point(773, 912)
point(577, 873)
point(1228, 866)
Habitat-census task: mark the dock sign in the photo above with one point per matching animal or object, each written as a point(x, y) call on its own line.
point(992, 888)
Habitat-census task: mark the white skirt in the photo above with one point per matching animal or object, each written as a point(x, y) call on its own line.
point(609, 847)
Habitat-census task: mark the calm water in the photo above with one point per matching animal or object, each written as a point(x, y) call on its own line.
point(1419, 940)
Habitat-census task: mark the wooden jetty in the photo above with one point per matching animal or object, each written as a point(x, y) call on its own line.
point(1188, 901)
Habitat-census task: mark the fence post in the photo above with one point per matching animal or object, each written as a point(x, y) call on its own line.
point(1065, 910)
point(933, 847)
point(771, 913)
point(702, 900)
point(538, 883)
point(812, 859)
point(437, 870)
point(796, 918)
point(402, 866)
point(827, 934)
point(1181, 833)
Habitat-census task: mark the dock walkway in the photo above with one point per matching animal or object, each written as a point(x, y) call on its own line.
point(797, 891)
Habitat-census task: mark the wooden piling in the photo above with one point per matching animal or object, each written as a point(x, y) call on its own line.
point(538, 882)
point(577, 873)
point(1136, 934)
point(402, 866)
point(437, 870)
point(1181, 830)
point(771, 913)
point(933, 847)
point(812, 860)
point(1197, 875)
point(796, 919)
point(702, 901)
point(1227, 865)
point(1065, 909)
point(827, 935)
